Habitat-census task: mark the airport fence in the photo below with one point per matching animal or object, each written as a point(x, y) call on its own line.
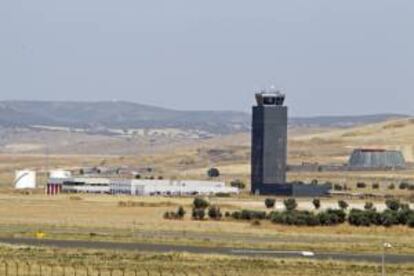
point(21, 268)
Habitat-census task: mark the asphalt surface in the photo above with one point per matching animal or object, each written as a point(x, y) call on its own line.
point(165, 248)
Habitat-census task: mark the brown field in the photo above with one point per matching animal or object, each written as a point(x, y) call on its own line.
point(68, 217)
point(88, 262)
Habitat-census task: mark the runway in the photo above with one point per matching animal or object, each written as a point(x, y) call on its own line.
point(245, 252)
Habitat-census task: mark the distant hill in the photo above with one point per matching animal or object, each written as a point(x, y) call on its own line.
point(343, 121)
point(125, 115)
point(119, 115)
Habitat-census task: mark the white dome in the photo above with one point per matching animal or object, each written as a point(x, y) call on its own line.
point(25, 179)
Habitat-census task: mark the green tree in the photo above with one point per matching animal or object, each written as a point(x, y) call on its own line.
point(393, 204)
point(343, 204)
point(270, 202)
point(180, 212)
point(316, 203)
point(214, 212)
point(290, 204)
point(410, 221)
point(369, 206)
point(213, 172)
point(198, 214)
point(237, 183)
point(200, 203)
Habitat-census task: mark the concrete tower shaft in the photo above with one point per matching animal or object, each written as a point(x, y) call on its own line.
point(269, 142)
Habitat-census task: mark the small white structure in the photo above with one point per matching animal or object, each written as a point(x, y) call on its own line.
point(170, 187)
point(59, 174)
point(25, 179)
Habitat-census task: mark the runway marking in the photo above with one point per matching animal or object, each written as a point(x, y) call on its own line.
point(246, 251)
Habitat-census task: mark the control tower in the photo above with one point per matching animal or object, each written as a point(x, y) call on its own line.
point(269, 143)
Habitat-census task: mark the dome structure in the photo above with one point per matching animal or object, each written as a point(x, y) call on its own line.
point(376, 159)
point(25, 179)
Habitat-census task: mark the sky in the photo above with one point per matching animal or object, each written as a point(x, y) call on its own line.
point(330, 57)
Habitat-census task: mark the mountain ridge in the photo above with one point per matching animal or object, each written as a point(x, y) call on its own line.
point(124, 115)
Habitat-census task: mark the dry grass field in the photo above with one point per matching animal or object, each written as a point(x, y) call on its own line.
point(29, 261)
point(103, 218)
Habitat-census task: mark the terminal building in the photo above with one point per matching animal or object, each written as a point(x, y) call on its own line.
point(269, 149)
point(137, 187)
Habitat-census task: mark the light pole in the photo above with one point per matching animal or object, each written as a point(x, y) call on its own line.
point(385, 245)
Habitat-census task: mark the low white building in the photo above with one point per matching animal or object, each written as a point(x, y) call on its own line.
point(79, 185)
point(143, 187)
point(169, 187)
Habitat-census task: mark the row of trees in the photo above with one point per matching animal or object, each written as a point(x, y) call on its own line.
point(291, 204)
point(396, 213)
point(402, 186)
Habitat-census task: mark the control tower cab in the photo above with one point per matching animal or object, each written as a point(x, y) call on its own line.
point(270, 98)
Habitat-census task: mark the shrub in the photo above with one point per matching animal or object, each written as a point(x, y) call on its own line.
point(410, 221)
point(316, 203)
point(374, 216)
point(214, 212)
point(213, 172)
point(198, 214)
point(270, 202)
point(393, 204)
point(238, 184)
point(290, 204)
point(251, 214)
point(375, 186)
point(389, 218)
point(343, 204)
point(338, 187)
point(166, 215)
point(200, 203)
point(369, 206)
point(256, 222)
point(223, 195)
point(361, 218)
point(391, 186)
point(227, 214)
point(299, 218)
point(405, 206)
point(170, 215)
point(361, 185)
point(403, 185)
point(404, 214)
point(236, 215)
point(180, 212)
point(411, 187)
point(339, 213)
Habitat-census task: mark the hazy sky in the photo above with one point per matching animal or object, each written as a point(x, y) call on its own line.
point(330, 56)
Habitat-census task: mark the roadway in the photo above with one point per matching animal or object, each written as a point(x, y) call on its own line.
point(244, 252)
